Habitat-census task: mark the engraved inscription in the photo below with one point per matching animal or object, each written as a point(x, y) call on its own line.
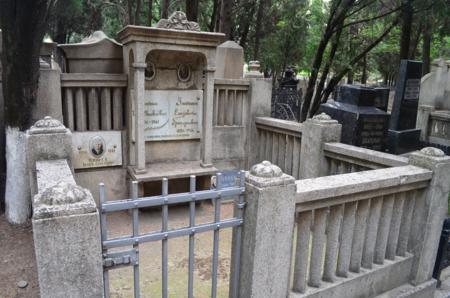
point(412, 89)
point(173, 114)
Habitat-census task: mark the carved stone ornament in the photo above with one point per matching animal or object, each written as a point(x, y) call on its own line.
point(178, 21)
point(322, 116)
point(47, 125)
point(431, 151)
point(266, 170)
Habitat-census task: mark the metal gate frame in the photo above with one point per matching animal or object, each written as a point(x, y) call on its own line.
point(113, 260)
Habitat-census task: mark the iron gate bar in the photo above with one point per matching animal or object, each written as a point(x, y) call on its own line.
point(134, 189)
point(157, 236)
point(165, 215)
point(131, 257)
point(215, 258)
point(191, 238)
point(121, 205)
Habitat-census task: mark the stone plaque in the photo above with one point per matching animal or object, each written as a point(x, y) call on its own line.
point(173, 114)
point(412, 89)
point(95, 149)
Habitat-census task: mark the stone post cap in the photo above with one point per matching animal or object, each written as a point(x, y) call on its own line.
point(48, 125)
point(253, 70)
point(266, 174)
point(428, 157)
point(323, 118)
point(63, 199)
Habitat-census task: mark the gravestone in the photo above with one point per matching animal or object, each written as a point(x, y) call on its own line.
point(403, 135)
point(363, 124)
point(382, 98)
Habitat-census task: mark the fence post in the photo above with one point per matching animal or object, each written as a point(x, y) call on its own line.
point(66, 232)
point(317, 131)
point(267, 232)
point(429, 212)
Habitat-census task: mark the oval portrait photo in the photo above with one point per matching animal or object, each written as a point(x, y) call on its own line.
point(97, 146)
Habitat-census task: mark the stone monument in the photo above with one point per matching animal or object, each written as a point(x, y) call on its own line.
point(363, 124)
point(403, 135)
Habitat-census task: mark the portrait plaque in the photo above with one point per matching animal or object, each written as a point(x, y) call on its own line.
point(173, 114)
point(95, 149)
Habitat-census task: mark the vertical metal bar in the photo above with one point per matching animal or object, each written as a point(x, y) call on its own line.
point(165, 215)
point(234, 282)
point(134, 188)
point(104, 235)
point(191, 237)
point(217, 203)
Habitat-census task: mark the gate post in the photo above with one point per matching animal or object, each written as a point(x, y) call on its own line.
point(317, 131)
point(267, 232)
point(429, 212)
point(66, 234)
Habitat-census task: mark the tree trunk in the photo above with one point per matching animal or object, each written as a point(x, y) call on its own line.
point(426, 46)
point(150, 13)
point(364, 71)
point(225, 18)
point(245, 23)
point(130, 12)
point(215, 12)
point(192, 10)
point(405, 39)
point(350, 77)
point(165, 9)
point(23, 26)
point(258, 29)
point(137, 12)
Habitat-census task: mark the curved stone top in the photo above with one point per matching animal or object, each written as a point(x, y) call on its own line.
point(432, 151)
point(47, 125)
point(322, 116)
point(63, 193)
point(178, 21)
point(266, 169)
point(254, 65)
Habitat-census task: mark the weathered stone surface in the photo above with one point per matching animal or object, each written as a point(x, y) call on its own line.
point(267, 236)
point(253, 70)
point(49, 102)
point(229, 61)
point(178, 21)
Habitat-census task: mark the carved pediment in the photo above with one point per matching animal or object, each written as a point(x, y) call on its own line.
point(178, 21)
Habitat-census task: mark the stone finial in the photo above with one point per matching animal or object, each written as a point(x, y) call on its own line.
point(253, 70)
point(63, 199)
point(266, 170)
point(178, 21)
point(266, 174)
point(432, 151)
point(47, 125)
point(323, 118)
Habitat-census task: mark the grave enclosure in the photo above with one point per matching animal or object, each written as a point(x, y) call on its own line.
point(163, 106)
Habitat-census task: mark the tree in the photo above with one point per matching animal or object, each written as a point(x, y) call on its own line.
point(23, 24)
point(165, 9)
point(225, 18)
point(192, 10)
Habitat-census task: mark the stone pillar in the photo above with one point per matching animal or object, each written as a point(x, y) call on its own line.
point(317, 131)
point(429, 212)
point(267, 232)
point(253, 70)
point(139, 96)
point(208, 100)
point(423, 117)
point(67, 243)
point(229, 60)
point(47, 139)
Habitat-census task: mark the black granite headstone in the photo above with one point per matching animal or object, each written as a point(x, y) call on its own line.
point(362, 124)
point(403, 135)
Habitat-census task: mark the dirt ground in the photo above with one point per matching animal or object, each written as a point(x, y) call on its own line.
point(18, 259)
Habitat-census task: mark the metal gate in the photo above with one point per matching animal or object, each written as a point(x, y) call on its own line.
point(130, 257)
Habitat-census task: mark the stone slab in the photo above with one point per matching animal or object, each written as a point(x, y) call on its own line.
point(173, 114)
point(403, 141)
point(96, 149)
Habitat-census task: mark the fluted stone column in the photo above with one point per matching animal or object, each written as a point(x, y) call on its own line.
point(267, 232)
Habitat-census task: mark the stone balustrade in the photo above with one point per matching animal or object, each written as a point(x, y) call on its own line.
point(93, 101)
point(231, 102)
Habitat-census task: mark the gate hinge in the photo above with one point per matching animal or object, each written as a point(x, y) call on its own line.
point(113, 260)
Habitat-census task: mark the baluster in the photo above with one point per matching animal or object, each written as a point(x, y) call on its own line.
point(288, 156)
point(318, 245)
point(334, 224)
point(262, 144)
point(275, 148)
point(281, 151)
point(296, 158)
point(383, 229)
point(269, 137)
point(221, 113)
point(333, 166)
point(302, 251)
point(405, 227)
point(106, 108)
point(216, 107)
point(397, 213)
point(68, 109)
point(93, 110)
point(345, 249)
point(359, 235)
point(228, 108)
point(80, 108)
point(371, 233)
point(117, 108)
point(238, 107)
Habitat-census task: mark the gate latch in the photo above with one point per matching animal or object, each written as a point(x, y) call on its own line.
point(113, 260)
